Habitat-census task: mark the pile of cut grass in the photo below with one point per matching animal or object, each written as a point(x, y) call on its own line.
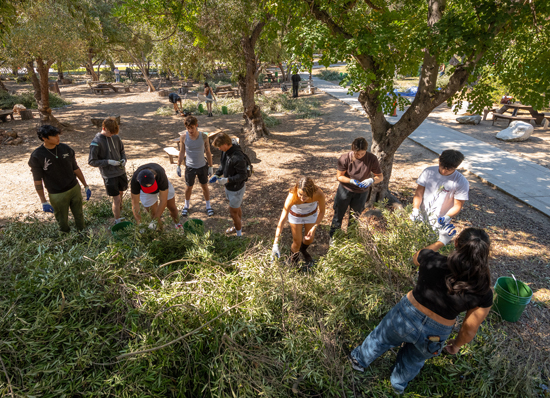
point(77, 309)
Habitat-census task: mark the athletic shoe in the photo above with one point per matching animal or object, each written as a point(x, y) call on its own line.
point(185, 212)
point(178, 226)
point(355, 364)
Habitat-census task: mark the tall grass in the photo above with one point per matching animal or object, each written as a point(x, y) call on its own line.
point(232, 323)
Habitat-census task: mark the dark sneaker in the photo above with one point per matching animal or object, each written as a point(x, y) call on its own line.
point(355, 364)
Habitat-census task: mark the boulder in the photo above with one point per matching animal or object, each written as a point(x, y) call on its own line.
point(473, 119)
point(97, 119)
point(516, 131)
point(18, 108)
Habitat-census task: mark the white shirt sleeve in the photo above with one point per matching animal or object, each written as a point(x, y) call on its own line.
point(422, 179)
point(462, 189)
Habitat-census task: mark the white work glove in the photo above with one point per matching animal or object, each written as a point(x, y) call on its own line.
point(222, 180)
point(446, 234)
point(275, 252)
point(357, 183)
point(210, 170)
point(415, 215)
point(443, 220)
point(178, 171)
point(113, 162)
point(153, 224)
point(368, 182)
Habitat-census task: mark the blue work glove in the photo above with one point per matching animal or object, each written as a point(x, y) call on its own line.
point(368, 182)
point(213, 179)
point(210, 171)
point(178, 171)
point(357, 183)
point(446, 234)
point(444, 220)
point(88, 192)
point(47, 207)
point(222, 180)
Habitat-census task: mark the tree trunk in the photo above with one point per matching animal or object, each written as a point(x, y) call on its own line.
point(254, 125)
point(2, 86)
point(283, 74)
point(143, 68)
point(89, 65)
point(41, 91)
point(59, 70)
point(99, 70)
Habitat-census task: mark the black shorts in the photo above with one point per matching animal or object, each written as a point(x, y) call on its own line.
point(114, 185)
point(173, 98)
point(191, 173)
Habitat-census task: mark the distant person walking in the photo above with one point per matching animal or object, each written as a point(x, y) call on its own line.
point(107, 153)
point(117, 75)
point(296, 79)
point(232, 174)
point(305, 208)
point(55, 164)
point(209, 98)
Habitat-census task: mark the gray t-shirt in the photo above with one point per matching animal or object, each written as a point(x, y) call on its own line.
point(194, 150)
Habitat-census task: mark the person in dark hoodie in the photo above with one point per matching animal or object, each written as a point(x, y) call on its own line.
point(233, 174)
point(107, 153)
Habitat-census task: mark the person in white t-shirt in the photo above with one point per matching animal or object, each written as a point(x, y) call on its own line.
point(441, 191)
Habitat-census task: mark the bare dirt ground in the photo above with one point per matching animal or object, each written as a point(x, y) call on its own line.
point(520, 235)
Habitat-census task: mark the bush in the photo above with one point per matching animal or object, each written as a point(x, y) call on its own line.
point(238, 325)
point(8, 101)
point(330, 75)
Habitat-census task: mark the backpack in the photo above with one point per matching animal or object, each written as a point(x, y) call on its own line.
point(249, 166)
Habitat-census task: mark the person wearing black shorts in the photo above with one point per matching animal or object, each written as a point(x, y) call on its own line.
point(107, 153)
point(174, 99)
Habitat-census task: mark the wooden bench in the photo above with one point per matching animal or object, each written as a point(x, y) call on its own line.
point(486, 111)
point(526, 118)
point(4, 115)
point(172, 153)
point(98, 90)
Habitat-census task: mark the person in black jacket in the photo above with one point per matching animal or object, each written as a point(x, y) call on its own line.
point(233, 174)
point(296, 79)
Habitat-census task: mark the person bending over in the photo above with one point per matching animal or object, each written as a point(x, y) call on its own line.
point(175, 99)
point(55, 164)
point(305, 208)
point(107, 153)
point(441, 191)
point(353, 173)
point(233, 174)
point(425, 316)
point(194, 146)
point(150, 185)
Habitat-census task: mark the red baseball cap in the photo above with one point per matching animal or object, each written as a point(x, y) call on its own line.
point(147, 180)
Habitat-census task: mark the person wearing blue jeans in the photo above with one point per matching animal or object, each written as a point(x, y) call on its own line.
point(425, 317)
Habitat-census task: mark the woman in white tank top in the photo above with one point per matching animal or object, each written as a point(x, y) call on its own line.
point(305, 208)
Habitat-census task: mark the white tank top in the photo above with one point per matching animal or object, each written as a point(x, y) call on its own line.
point(304, 208)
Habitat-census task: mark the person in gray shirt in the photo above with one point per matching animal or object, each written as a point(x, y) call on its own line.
point(193, 147)
point(107, 153)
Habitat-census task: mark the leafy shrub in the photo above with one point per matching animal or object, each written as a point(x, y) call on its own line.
point(330, 75)
point(107, 76)
point(8, 101)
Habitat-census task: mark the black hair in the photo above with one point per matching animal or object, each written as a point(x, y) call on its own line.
point(47, 131)
point(450, 159)
point(359, 144)
point(206, 84)
point(469, 263)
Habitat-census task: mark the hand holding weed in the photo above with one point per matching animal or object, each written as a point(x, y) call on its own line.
point(446, 234)
point(310, 233)
point(451, 348)
point(210, 170)
point(222, 181)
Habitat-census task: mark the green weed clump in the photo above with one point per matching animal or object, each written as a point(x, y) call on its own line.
point(8, 101)
point(303, 108)
point(171, 314)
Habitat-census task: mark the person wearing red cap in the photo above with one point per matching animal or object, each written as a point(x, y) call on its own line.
point(150, 185)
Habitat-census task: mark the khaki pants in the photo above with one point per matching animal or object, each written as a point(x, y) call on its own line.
point(61, 202)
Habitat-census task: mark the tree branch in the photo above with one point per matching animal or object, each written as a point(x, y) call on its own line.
point(371, 5)
point(325, 18)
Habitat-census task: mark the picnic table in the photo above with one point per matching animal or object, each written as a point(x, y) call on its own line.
point(511, 112)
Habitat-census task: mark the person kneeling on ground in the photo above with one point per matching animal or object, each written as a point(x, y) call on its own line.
point(174, 99)
point(424, 318)
point(353, 174)
point(193, 147)
point(55, 163)
point(305, 206)
point(233, 168)
point(441, 191)
point(107, 153)
point(149, 184)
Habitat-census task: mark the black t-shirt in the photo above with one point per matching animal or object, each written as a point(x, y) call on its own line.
point(296, 79)
point(173, 97)
point(55, 167)
point(160, 178)
point(431, 290)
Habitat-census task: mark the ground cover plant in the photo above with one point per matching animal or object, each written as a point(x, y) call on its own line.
point(8, 101)
point(165, 315)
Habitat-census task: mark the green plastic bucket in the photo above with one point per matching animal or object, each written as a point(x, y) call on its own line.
point(511, 298)
point(117, 230)
point(194, 226)
point(224, 110)
point(201, 108)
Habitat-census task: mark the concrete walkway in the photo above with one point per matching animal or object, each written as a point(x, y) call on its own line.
point(518, 177)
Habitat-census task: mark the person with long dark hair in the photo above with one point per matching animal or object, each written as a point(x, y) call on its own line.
point(209, 98)
point(425, 317)
point(305, 208)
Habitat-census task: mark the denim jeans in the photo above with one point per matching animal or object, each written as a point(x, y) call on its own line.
point(343, 200)
point(404, 324)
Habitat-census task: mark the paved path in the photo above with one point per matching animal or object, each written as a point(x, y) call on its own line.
point(520, 178)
